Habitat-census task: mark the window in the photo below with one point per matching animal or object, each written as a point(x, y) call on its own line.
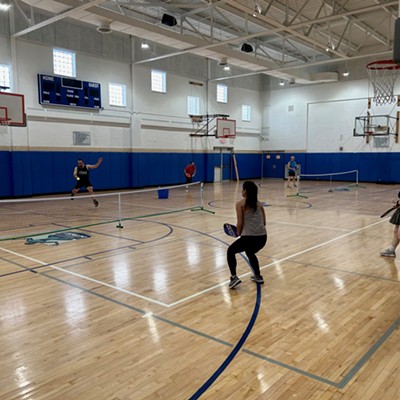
point(193, 105)
point(158, 81)
point(5, 78)
point(64, 63)
point(117, 94)
point(222, 93)
point(246, 112)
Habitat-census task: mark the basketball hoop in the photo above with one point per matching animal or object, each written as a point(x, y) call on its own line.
point(383, 75)
point(4, 124)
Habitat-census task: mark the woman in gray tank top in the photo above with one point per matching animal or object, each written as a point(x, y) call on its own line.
point(251, 229)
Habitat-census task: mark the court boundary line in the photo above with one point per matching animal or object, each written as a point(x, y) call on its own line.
point(194, 295)
point(346, 379)
point(270, 264)
point(84, 277)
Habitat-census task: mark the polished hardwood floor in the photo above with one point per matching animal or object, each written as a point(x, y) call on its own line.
point(145, 313)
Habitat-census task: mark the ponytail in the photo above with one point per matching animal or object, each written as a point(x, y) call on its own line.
point(251, 195)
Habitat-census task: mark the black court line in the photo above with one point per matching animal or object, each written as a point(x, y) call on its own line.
point(354, 370)
point(346, 379)
point(87, 257)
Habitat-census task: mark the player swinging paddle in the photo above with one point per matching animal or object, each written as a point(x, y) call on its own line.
point(81, 174)
point(251, 229)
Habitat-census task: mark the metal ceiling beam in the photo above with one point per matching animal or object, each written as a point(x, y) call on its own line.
point(57, 18)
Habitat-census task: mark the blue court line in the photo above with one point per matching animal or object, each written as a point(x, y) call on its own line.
point(354, 370)
point(233, 353)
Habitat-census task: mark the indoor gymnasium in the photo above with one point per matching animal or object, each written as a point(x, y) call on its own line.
point(199, 200)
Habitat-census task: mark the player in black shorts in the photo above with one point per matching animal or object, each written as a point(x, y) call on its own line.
point(81, 174)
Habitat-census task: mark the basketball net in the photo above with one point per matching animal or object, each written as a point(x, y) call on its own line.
point(4, 124)
point(383, 75)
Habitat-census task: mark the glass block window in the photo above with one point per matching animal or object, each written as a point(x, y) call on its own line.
point(64, 63)
point(222, 93)
point(158, 81)
point(117, 94)
point(5, 78)
point(193, 105)
point(246, 112)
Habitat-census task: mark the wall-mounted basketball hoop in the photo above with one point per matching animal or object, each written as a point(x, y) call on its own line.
point(372, 126)
point(226, 128)
point(383, 74)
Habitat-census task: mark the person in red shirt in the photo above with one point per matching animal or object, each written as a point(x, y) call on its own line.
point(190, 172)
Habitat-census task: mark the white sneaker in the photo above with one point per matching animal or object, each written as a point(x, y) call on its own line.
point(388, 253)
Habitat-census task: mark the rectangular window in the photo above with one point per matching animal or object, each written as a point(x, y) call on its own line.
point(5, 78)
point(246, 112)
point(193, 105)
point(158, 81)
point(117, 94)
point(64, 63)
point(222, 93)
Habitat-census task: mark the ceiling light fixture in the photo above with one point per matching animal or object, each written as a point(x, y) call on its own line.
point(4, 6)
point(104, 28)
point(144, 45)
point(346, 73)
point(227, 67)
point(281, 82)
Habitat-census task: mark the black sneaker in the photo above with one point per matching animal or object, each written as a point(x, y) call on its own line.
point(234, 282)
point(95, 202)
point(72, 196)
point(257, 278)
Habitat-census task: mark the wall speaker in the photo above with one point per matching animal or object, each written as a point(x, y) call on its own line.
point(168, 20)
point(396, 42)
point(247, 48)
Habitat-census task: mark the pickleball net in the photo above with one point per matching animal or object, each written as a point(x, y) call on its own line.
point(21, 218)
point(329, 182)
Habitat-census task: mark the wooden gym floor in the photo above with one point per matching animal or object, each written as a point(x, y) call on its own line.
point(145, 313)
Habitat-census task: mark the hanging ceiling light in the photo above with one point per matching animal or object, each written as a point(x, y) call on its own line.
point(227, 67)
point(281, 82)
point(144, 45)
point(4, 6)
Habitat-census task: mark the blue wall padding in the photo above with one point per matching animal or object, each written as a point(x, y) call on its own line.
point(27, 173)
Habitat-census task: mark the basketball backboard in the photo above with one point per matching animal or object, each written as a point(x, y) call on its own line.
point(375, 125)
point(226, 128)
point(3, 114)
point(12, 106)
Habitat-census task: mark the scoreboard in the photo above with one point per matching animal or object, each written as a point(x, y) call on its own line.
point(59, 91)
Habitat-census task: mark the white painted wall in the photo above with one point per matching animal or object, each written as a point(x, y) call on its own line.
point(160, 122)
point(321, 118)
point(315, 118)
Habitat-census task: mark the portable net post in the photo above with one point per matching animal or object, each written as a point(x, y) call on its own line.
point(119, 212)
point(201, 207)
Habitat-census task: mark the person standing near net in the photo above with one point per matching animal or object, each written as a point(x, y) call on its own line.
point(292, 170)
point(251, 228)
point(81, 174)
point(190, 172)
point(395, 220)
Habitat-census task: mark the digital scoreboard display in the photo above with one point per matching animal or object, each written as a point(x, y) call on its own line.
point(69, 92)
